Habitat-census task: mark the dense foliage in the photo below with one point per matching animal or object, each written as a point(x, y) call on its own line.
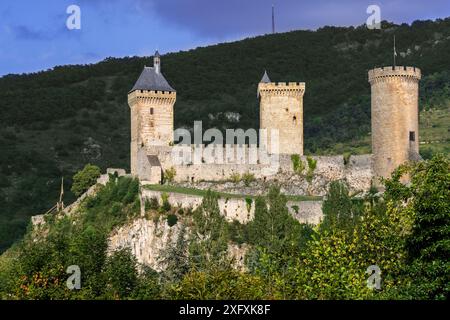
point(404, 232)
point(84, 179)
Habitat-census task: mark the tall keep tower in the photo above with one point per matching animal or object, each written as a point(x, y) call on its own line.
point(281, 108)
point(151, 103)
point(395, 117)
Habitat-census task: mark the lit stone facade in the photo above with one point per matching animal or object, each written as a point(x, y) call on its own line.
point(281, 108)
point(395, 120)
point(151, 120)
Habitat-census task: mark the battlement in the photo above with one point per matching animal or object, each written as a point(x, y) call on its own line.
point(388, 73)
point(281, 88)
point(152, 96)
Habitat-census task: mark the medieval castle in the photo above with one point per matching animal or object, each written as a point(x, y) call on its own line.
point(395, 125)
point(154, 155)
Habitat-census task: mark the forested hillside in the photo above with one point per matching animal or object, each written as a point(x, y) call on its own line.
point(52, 123)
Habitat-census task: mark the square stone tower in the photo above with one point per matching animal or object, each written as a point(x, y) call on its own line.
point(281, 108)
point(151, 104)
point(395, 117)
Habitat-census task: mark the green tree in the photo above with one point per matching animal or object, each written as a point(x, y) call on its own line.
point(84, 179)
point(209, 234)
point(339, 210)
point(121, 274)
point(427, 200)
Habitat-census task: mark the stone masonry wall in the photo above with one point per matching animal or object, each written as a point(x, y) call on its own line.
point(237, 208)
point(357, 173)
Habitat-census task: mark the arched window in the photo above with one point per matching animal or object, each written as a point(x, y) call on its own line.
point(151, 111)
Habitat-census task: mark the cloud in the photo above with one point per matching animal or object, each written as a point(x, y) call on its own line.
point(250, 17)
point(23, 32)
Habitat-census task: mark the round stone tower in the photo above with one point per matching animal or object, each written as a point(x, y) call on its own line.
point(395, 117)
point(151, 103)
point(281, 108)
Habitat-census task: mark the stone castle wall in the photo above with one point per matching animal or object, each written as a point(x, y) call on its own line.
point(357, 173)
point(237, 208)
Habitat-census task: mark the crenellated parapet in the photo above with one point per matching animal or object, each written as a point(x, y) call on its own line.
point(152, 97)
point(281, 89)
point(398, 73)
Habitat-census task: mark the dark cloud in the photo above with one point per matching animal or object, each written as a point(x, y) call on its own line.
point(216, 18)
point(248, 17)
point(26, 33)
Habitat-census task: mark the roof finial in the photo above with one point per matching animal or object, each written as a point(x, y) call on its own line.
point(157, 62)
point(395, 53)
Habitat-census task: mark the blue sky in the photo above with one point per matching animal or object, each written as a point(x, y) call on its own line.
point(34, 36)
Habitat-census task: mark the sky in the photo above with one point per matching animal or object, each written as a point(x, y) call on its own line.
point(34, 35)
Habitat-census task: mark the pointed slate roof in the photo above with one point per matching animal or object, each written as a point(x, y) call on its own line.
point(265, 78)
point(151, 80)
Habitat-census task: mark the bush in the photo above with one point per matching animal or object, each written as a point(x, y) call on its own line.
point(84, 179)
point(297, 164)
point(169, 175)
point(165, 202)
point(248, 178)
point(235, 177)
point(347, 156)
point(248, 203)
point(172, 220)
point(312, 164)
point(151, 204)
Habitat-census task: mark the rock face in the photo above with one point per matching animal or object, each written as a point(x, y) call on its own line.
point(146, 239)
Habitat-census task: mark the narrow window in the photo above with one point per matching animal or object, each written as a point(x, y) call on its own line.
point(294, 119)
point(412, 136)
point(151, 110)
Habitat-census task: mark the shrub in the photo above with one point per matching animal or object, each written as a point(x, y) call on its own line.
point(248, 178)
point(248, 202)
point(169, 175)
point(297, 164)
point(151, 204)
point(347, 156)
point(84, 179)
point(235, 177)
point(165, 202)
point(172, 220)
point(312, 164)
